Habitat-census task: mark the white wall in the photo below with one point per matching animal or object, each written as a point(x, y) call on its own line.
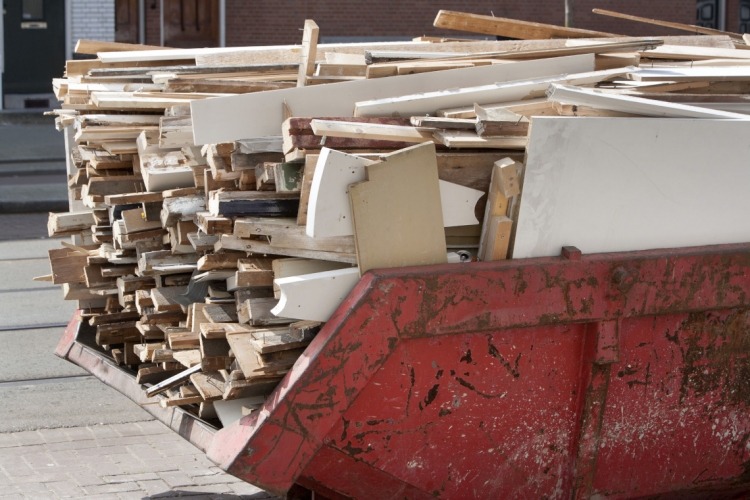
point(92, 20)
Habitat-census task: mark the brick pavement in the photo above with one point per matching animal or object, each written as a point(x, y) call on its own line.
point(140, 460)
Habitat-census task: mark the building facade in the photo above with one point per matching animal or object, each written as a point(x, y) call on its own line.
point(39, 35)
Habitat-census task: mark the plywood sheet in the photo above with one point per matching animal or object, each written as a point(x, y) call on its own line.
point(622, 184)
point(398, 217)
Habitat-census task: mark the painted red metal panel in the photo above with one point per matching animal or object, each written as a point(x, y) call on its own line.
point(605, 376)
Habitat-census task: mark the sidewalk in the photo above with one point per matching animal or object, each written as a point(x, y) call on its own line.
point(120, 462)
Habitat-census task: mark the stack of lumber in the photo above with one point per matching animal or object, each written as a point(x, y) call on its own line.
point(226, 201)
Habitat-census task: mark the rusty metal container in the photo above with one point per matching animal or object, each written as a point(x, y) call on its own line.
point(622, 375)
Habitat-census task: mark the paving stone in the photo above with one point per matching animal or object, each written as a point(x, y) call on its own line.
point(144, 451)
point(65, 489)
point(211, 489)
point(156, 487)
point(154, 427)
point(215, 479)
point(130, 429)
point(29, 437)
point(39, 460)
point(101, 450)
point(8, 440)
point(110, 488)
point(103, 431)
point(73, 445)
point(124, 478)
point(243, 488)
point(53, 435)
point(86, 478)
point(79, 434)
point(175, 479)
point(12, 496)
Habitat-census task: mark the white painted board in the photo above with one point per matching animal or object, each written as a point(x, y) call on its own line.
point(568, 94)
point(626, 184)
point(259, 114)
point(230, 411)
point(419, 104)
point(316, 296)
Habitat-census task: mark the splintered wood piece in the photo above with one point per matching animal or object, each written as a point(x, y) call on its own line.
point(154, 374)
point(316, 296)
point(163, 298)
point(398, 217)
point(220, 313)
point(308, 52)
point(288, 177)
point(268, 341)
point(370, 131)
point(265, 177)
point(511, 28)
point(183, 340)
point(210, 385)
point(495, 237)
point(259, 386)
point(219, 330)
point(189, 400)
point(188, 358)
point(305, 330)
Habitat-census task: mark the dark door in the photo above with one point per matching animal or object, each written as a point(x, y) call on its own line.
point(126, 21)
point(34, 45)
point(191, 23)
point(744, 16)
point(708, 14)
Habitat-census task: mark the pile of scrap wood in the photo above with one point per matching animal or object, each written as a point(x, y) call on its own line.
point(224, 202)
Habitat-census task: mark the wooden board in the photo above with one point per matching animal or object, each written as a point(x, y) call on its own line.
point(225, 119)
point(314, 296)
point(622, 184)
point(511, 28)
point(398, 218)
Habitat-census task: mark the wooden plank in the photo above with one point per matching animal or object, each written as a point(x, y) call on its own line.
point(314, 296)
point(225, 119)
point(429, 102)
point(253, 203)
point(496, 229)
point(95, 46)
point(511, 28)
point(466, 139)
point(667, 24)
point(580, 200)
point(370, 131)
point(308, 53)
point(307, 178)
point(635, 105)
point(229, 242)
point(405, 182)
point(210, 385)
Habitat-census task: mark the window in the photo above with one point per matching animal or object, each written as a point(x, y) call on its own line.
point(32, 10)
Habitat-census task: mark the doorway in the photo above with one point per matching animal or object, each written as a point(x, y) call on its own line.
point(191, 23)
point(126, 21)
point(34, 49)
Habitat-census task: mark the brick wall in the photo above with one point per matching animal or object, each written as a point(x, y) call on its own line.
point(92, 20)
point(278, 22)
point(153, 20)
point(264, 22)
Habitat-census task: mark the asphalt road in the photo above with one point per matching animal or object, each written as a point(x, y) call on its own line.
point(38, 389)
